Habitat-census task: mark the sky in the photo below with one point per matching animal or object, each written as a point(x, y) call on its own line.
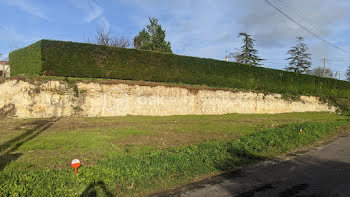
point(200, 28)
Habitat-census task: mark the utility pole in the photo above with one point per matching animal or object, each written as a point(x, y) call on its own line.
point(324, 67)
point(226, 57)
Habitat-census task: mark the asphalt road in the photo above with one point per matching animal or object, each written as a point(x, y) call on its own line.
point(321, 171)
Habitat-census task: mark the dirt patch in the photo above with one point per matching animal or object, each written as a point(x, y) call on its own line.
point(74, 123)
point(172, 139)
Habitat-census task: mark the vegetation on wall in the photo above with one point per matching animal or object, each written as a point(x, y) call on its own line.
point(69, 59)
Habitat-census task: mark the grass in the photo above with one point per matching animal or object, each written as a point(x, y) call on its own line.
point(138, 155)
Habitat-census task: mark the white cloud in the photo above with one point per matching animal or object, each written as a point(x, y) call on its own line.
point(208, 28)
point(105, 23)
point(28, 6)
point(273, 29)
point(91, 9)
point(94, 11)
point(191, 27)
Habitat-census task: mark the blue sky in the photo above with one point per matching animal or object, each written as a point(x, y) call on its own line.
point(201, 28)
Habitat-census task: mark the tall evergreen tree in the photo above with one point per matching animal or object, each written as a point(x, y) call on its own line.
point(299, 60)
point(153, 38)
point(248, 54)
point(348, 74)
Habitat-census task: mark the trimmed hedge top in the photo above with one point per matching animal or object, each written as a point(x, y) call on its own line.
point(70, 59)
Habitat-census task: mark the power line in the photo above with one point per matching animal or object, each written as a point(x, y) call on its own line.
point(306, 29)
point(332, 60)
point(302, 16)
point(338, 58)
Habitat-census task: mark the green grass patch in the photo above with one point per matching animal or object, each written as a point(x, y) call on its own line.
point(94, 139)
point(140, 169)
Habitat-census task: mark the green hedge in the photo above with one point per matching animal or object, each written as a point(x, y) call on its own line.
point(27, 60)
point(69, 59)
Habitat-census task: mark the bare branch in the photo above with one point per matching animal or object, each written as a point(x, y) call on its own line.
point(104, 38)
point(123, 42)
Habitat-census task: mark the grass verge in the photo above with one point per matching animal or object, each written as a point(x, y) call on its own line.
point(147, 172)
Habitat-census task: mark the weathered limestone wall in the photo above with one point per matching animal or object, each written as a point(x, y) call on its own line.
point(54, 98)
point(5, 69)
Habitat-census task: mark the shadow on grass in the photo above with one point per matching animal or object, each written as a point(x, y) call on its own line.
point(238, 158)
point(93, 188)
point(302, 176)
point(231, 167)
point(9, 147)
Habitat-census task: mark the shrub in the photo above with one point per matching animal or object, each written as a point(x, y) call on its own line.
point(27, 60)
point(69, 59)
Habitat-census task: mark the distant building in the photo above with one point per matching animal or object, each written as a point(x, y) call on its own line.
point(4, 69)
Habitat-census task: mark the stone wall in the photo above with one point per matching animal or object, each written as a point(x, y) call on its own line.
point(23, 99)
point(5, 69)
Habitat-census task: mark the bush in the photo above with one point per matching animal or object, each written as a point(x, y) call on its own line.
point(69, 59)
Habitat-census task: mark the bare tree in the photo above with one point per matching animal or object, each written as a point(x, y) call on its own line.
point(236, 55)
point(347, 74)
point(122, 41)
point(103, 37)
point(318, 71)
